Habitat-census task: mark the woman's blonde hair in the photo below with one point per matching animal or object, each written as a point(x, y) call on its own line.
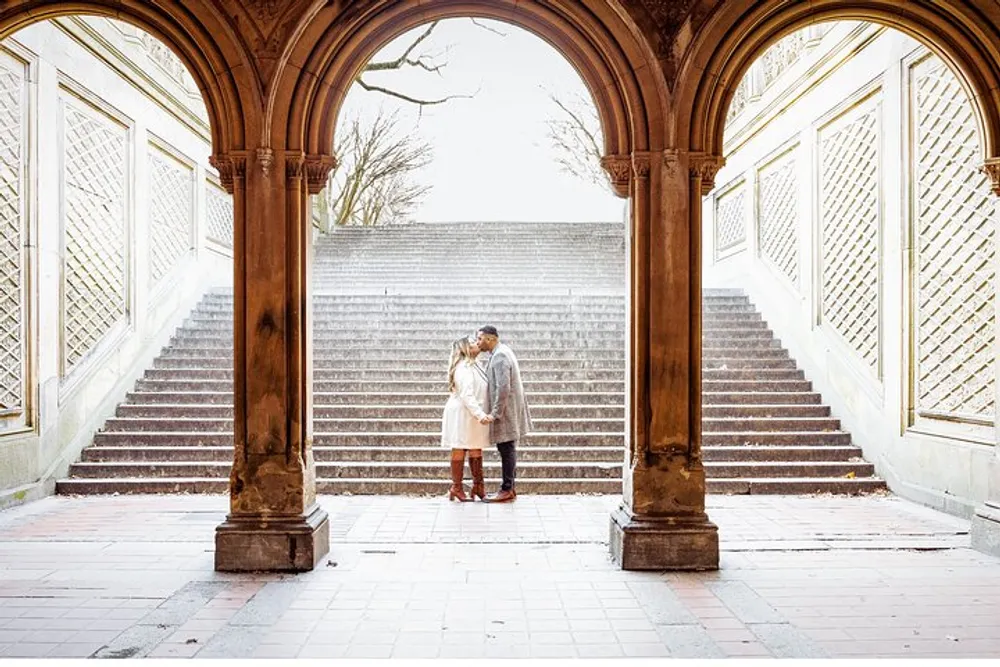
point(460, 349)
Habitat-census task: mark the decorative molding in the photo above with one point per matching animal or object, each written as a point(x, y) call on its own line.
point(619, 169)
point(317, 169)
point(230, 167)
point(265, 158)
point(991, 167)
point(671, 161)
point(263, 10)
point(641, 163)
point(295, 165)
point(705, 167)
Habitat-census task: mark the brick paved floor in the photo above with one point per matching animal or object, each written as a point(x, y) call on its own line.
point(415, 577)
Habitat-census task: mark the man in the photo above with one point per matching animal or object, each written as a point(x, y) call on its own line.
point(508, 414)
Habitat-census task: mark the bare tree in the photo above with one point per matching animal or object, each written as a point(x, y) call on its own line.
point(575, 133)
point(374, 183)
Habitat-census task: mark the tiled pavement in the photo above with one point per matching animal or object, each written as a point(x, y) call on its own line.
point(416, 577)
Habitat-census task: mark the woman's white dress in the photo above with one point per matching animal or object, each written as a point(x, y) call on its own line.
point(460, 427)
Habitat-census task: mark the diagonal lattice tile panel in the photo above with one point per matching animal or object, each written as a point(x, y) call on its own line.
point(955, 252)
point(782, 55)
point(95, 257)
point(730, 219)
point(170, 213)
point(219, 215)
point(849, 176)
point(778, 223)
point(11, 241)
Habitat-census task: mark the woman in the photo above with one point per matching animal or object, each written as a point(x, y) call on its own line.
point(464, 425)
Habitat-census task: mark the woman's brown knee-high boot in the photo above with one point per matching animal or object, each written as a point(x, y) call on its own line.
point(478, 485)
point(456, 492)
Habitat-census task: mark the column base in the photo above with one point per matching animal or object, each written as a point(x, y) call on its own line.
point(985, 529)
point(272, 544)
point(669, 543)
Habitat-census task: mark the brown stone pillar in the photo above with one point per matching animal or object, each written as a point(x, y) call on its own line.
point(985, 528)
point(274, 522)
point(661, 523)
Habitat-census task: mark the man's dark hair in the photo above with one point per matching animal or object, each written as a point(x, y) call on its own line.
point(489, 330)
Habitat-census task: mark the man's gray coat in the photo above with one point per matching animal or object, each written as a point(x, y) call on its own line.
point(505, 396)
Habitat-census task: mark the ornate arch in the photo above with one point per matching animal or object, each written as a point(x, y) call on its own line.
point(610, 55)
point(202, 40)
point(739, 31)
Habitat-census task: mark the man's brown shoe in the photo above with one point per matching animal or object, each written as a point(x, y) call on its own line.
point(500, 497)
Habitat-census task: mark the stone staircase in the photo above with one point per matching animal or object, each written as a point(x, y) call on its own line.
point(382, 331)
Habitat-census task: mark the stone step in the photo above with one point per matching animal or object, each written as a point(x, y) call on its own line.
point(752, 398)
point(521, 320)
point(433, 410)
point(438, 487)
point(396, 470)
point(491, 467)
point(406, 412)
point(386, 399)
point(220, 393)
point(443, 337)
point(219, 379)
point(333, 425)
point(369, 440)
point(759, 438)
point(769, 424)
point(752, 374)
point(389, 453)
point(360, 355)
point(433, 386)
point(432, 438)
point(586, 350)
point(440, 366)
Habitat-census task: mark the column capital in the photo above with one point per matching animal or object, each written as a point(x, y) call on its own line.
point(619, 169)
point(705, 166)
point(231, 166)
point(991, 167)
point(295, 164)
point(317, 169)
point(640, 163)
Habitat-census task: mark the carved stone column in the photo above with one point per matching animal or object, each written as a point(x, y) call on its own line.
point(274, 522)
point(661, 523)
point(985, 528)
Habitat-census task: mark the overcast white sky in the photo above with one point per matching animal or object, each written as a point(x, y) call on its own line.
point(492, 158)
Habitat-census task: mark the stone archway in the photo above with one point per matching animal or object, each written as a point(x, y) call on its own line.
point(199, 39)
point(273, 72)
point(965, 35)
point(661, 522)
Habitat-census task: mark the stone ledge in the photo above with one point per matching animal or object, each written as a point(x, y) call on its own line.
point(282, 544)
point(985, 529)
point(686, 543)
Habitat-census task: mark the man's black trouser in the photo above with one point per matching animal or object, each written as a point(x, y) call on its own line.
point(508, 461)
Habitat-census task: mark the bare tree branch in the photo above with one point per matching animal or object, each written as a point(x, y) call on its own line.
point(576, 138)
point(408, 98)
point(486, 27)
point(403, 59)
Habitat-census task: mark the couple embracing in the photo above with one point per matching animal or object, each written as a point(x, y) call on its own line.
point(485, 406)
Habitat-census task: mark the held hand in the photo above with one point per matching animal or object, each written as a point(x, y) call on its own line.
point(486, 420)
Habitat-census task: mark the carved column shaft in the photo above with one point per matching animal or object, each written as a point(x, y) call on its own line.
point(274, 522)
point(661, 523)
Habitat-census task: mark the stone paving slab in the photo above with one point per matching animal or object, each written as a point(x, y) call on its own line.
point(808, 577)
